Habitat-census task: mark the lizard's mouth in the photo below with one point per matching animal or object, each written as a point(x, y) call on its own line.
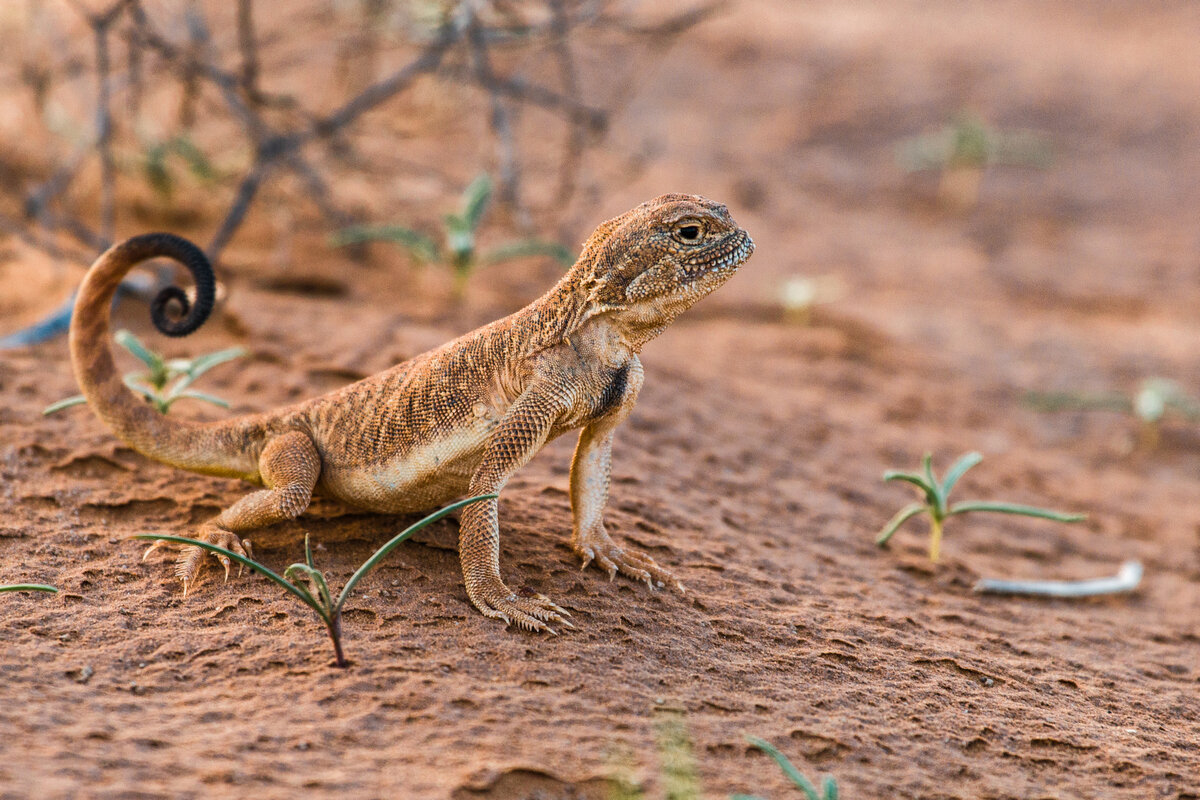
point(721, 259)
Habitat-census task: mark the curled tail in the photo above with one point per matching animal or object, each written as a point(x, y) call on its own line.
point(223, 448)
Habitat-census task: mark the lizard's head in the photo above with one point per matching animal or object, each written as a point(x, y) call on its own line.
point(652, 263)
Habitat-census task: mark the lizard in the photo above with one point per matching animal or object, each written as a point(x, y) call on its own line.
point(456, 421)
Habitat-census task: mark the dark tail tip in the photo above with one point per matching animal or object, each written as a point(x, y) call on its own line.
point(171, 311)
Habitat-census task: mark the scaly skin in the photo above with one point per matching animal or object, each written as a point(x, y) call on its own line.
point(455, 421)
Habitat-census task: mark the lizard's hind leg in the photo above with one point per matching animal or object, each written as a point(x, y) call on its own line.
point(289, 466)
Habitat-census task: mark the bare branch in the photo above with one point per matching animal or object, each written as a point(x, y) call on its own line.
point(560, 26)
point(104, 130)
point(248, 46)
point(384, 90)
point(673, 26)
point(241, 204)
point(499, 119)
point(319, 191)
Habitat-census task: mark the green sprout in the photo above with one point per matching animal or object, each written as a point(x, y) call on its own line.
point(311, 588)
point(938, 509)
point(155, 164)
point(28, 587)
point(829, 788)
point(966, 147)
point(680, 776)
point(458, 248)
point(1154, 400)
point(167, 380)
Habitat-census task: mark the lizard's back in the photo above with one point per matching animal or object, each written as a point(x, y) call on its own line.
point(410, 437)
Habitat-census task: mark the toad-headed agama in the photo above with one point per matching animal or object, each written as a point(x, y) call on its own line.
point(456, 421)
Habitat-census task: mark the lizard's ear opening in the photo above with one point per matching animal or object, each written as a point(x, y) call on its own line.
point(657, 280)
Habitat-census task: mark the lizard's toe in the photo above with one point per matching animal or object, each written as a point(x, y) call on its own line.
point(613, 558)
point(531, 612)
point(191, 557)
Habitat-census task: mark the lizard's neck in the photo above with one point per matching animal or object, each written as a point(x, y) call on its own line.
point(549, 320)
point(569, 306)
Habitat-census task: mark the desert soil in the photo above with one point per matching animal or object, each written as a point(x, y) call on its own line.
point(751, 466)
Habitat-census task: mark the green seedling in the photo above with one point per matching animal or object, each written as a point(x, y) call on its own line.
point(458, 246)
point(155, 163)
point(829, 788)
point(938, 509)
point(167, 380)
point(680, 777)
point(1154, 400)
point(28, 587)
point(964, 149)
point(311, 588)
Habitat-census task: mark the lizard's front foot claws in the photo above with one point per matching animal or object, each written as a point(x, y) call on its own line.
point(612, 558)
point(531, 611)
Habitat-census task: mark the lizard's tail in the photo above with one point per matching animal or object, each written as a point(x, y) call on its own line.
point(224, 448)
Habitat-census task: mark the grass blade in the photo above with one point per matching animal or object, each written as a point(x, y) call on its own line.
point(315, 578)
point(421, 246)
point(1078, 401)
point(957, 470)
point(203, 364)
point(526, 248)
point(77, 400)
point(902, 516)
point(312, 601)
point(475, 201)
point(241, 559)
point(134, 345)
point(1126, 580)
point(132, 383)
point(927, 468)
point(1013, 508)
point(796, 776)
point(192, 394)
point(916, 480)
point(382, 552)
point(29, 587)
point(194, 157)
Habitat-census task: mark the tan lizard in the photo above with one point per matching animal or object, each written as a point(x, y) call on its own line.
point(455, 421)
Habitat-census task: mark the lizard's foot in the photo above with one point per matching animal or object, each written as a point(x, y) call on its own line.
point(530, 611)
point(191, 557)
point(612, 558)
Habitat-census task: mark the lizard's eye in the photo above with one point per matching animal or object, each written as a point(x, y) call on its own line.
point(689, 231)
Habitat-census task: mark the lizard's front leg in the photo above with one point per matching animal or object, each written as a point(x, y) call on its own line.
point(590, 472)
point(515, 440)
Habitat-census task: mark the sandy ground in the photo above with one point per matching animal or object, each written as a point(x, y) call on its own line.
point(751, 465)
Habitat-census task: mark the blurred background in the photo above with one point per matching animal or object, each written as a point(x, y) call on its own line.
point(976, 228)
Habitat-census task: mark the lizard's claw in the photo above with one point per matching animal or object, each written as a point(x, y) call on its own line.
point(612, 558)
point(191, 557)
point(529, 611)
point(157, 544)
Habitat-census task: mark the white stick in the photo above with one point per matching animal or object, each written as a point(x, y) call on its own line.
point(1126, 580)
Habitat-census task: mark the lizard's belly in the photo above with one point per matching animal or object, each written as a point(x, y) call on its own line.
point(424, 478)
